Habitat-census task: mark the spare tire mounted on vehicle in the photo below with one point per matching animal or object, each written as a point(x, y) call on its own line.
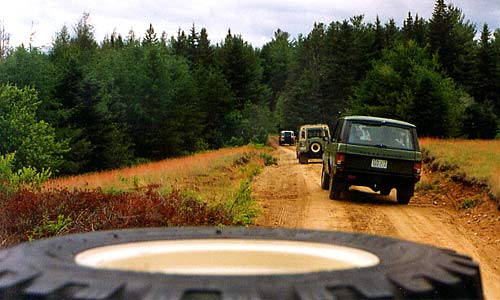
point(315, 147)
point(233, 263)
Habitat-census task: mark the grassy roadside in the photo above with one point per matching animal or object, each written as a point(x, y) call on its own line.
point(205, 189)
point(471, 161)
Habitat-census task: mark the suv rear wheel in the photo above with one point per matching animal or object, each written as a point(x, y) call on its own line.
point(335, 189)
point(404, 194)
point(303, 159)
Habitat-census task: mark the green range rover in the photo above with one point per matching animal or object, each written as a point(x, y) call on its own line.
point(375, 152)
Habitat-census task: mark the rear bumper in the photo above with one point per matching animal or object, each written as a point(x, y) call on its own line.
point(311, 154)
point(374, 180)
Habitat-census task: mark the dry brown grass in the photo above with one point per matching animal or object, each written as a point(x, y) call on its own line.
point(205, 189)
point(478, 159)
point(165, 172)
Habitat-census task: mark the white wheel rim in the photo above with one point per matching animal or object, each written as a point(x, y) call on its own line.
point(315, 148)
point(226, 257)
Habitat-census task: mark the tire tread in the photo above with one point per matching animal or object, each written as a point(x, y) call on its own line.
point(406, 270)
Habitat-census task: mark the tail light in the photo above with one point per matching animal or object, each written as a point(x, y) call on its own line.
point(417, 170)
point(340, 161)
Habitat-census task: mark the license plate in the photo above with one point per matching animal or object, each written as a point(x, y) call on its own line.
point(379, 163)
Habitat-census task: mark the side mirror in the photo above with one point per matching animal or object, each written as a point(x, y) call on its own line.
point(326, 139)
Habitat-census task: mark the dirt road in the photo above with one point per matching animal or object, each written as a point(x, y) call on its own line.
point(291, 197)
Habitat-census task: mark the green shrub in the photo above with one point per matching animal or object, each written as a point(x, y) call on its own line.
point(27, 178)
point(243, 207)
point(51, 228)
point(468, 203)
point(424, 185)
point(269, 160)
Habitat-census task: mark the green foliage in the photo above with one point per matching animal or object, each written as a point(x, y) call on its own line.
point(269, 160)
point(26, 178)
point(34, 141)
point(405, 84)
point(6, 173)
point(452, 39)
point(51, 227)
point(424, 185)
point(467, 203)
point(277, 57)
point(243, 207)
point(33, 68)
point(479, 122)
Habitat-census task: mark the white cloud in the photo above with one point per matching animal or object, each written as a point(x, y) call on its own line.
point(255, 20)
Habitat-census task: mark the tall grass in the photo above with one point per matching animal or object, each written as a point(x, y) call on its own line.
point(212, 176)
point(165, 172)
point(211, 188)
point(478, 159)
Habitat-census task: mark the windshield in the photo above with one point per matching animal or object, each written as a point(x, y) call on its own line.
point(385, 136)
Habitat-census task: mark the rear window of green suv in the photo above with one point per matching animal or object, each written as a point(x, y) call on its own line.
point(314, 132)
point(384, 135)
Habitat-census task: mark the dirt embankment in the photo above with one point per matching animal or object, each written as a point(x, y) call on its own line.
point(291, 197)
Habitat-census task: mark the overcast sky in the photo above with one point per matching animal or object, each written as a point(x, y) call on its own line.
point(255, 20)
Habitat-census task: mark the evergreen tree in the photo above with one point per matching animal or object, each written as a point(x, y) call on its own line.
point(495, 44)
point(131, 41)
point(453, 40)
point(33, 69)
point(440, 31)
point(242, 69)
point(150, 37)
point(391, 31)
point(420, 31)
point(276, 56)
point(480, 121)
point(379, 39)
point(83, 43)
point(487, 85)
point(193, 41)
point(180, 44)
point(405, 84)
point(414, 29)
point(205, 50)
point(4, 42)
point(408, 28)
point(76, 94)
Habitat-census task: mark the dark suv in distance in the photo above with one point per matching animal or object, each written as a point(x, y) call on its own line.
point(375, 152)
point(287, 137)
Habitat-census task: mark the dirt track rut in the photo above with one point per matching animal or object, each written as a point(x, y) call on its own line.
point(291, 197)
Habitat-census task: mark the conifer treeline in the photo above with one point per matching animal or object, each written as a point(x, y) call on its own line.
point(127, 99)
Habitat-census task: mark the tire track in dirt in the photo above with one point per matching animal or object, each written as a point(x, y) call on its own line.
point(280, 193)
point(291, 197)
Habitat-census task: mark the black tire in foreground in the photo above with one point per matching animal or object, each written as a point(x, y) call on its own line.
point(46, 269)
